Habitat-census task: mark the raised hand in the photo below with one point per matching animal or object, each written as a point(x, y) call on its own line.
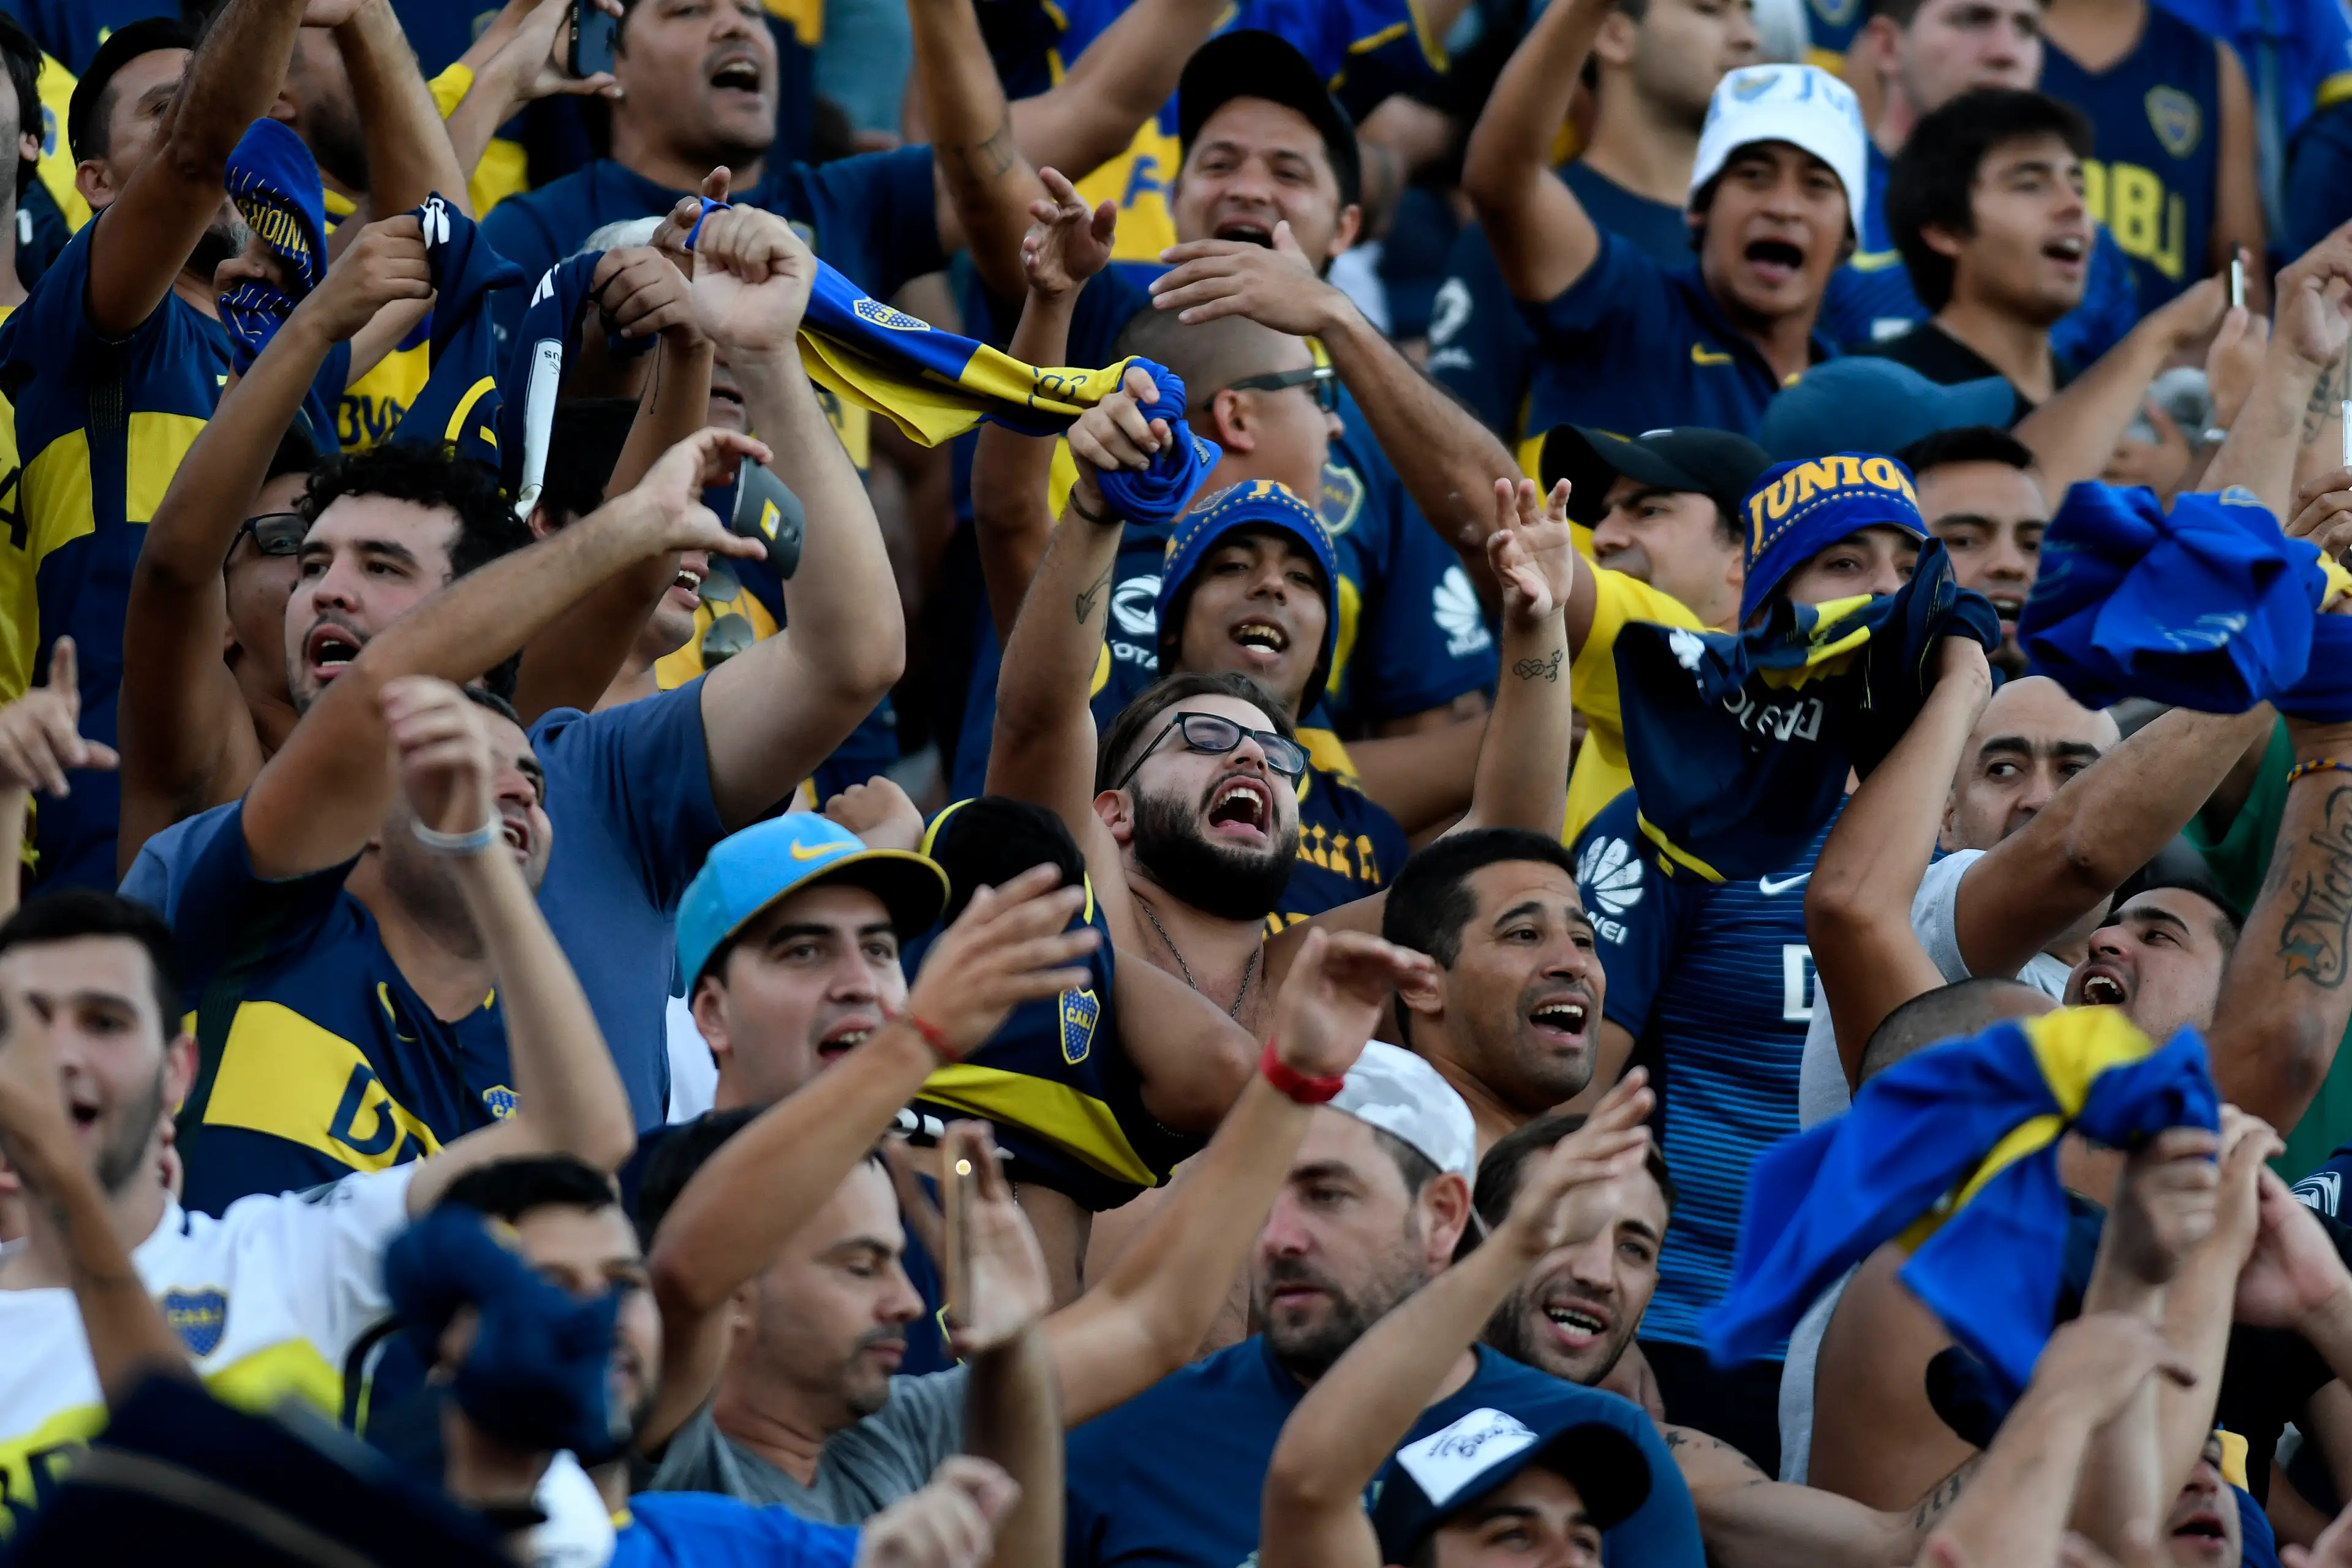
point(2323, 512)
point(2093, 1365)
point(640, 292)
point(2315, 302)
point(444, 754)
point(1330, 1001)
point(2294, 1272)
point(879, 813)
point(2332, 1550)
point(2246, 1142)
point(2191, 313)
point(1116, 434)
point(1007, 1288)
point(2164, 1204)
point(36, 1121)
point(1559, 1201)
point(951, 1523)
point(1067, 244)
point(752, 281)
point(2233, 361)
point(1009, 946)
point(536, 62)
point(40, 732)
point(1532, 549)
point(669, 235)
point(384, 265)
point(667, 504)
point(1278, 288)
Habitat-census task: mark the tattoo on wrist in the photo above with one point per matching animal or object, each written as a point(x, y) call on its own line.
point(1089, 596)
point(1544, 669)
point(1944, 1493)
point(2326, 397)
point(2314, 940)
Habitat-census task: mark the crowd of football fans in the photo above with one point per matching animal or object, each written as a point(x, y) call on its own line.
point(1403, 783)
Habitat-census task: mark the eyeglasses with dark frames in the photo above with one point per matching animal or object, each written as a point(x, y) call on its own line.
point(1321, 377)
point(1214, 735)
point(275, 533)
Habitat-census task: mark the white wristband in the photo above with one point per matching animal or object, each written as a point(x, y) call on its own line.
point(472, 843)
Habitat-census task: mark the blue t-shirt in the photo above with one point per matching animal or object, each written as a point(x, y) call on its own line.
point(72, 30)
point(1174, 1475)
point(1869, 300)
point(702, 1530)
point(1715, 984)
point(629, 793)
point(2297, 54)
point(1658, 229)
point(2319, 179)
point(875, 218)
point(1633, 346)
point(314, 1057)
point(2155, 115)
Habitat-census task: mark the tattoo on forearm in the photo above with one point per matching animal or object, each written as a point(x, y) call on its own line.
point(1943, 1494)
point(2314, 940)
point(1539, 668)
point(1089, 596)
point(987, 160)
point(2326, 398)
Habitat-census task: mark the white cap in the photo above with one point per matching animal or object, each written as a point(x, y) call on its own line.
point(1393, 1089)
point(1801, 105)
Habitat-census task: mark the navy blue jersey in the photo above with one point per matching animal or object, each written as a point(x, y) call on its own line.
point(72, 30)
point(2319, 179)
point(314, 1057)
point(1715, 985)
point(1349, 848)
point(1056, 1083)
point(1658, 229)
point(700, 1529)
point(1172, 1477)
point(1869, 300)
point(1479, 348)
point(2155, 115)
point(1830, 26)
point(1631, 346)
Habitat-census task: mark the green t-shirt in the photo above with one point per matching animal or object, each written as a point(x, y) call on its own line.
point(2238, 847)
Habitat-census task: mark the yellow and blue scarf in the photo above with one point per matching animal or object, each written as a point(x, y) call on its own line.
point(1739, 743)
point(1954, 1152)
point(2209, 607)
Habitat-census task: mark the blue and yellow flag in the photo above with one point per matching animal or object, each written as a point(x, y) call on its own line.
point(460, 403)
point(1739, 743)
point(2209, 607)
point(1954, 1152)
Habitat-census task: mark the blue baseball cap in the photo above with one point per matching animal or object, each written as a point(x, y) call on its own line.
point(1253, 503)
point(1437, 1477)
point(1861, 403)
point(1798, 508)
point(749, 871)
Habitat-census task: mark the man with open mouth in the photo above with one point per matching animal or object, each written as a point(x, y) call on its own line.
point(1981, 494)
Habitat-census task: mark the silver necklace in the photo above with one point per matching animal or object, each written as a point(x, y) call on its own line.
point(1249, 970)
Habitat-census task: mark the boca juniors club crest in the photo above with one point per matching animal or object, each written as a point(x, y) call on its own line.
point(2177, 118)
point(1081, 1012)
point(198, 1316)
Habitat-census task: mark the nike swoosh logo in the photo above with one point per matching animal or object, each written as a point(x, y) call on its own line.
point(821, 852)
point(1701, 354)
point(1770, 889)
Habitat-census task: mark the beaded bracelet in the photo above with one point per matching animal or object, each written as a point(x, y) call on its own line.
point(2318, 765)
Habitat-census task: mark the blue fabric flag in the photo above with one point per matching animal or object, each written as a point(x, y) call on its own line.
point(1739, 744)
point(1954, 1151)
point(460, 403)
point(275, 184)
point(534, 372)
point(2209, 607)
point(538, 1377)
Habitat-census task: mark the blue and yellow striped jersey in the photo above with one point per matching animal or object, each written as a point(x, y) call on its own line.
point(314, 1057)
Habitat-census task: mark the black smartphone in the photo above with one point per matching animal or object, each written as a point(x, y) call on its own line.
point(767, 510)
point(594, 29)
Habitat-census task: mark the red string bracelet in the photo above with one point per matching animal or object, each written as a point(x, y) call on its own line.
point(933, 1035)
point(1294, 1085)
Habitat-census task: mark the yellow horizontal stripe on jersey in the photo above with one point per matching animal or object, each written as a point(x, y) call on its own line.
point(1079, 1125)
point(55, 496)
point(284, 1075)
point(371, 408)
point(259, 1382)
point(156, 443)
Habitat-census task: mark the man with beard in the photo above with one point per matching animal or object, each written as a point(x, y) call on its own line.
point(1374, 1207)
point(1508, 1015)
point(117, 360)
point(1621, 342)
point(269, 1297)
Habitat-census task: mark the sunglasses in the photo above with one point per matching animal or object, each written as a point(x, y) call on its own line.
point(275, 533)
point(1213, 736)
point(1321, 377)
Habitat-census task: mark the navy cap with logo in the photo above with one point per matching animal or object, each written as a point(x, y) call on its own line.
point(1250, 62)
point(1717, 463)
point(1435, 1478)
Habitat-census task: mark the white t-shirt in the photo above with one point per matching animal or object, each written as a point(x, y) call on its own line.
point(1821, 1090)
point(269, 1300)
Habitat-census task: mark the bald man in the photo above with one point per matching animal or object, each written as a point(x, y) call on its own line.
point(2048, 811)
point(1251, 390)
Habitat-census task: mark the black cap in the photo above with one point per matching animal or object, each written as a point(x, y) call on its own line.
point(1250, 62)
point(1438, 1477)
point(125, 44)
point(1713, 463)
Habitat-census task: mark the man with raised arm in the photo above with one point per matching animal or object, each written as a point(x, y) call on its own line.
point(269, 1296)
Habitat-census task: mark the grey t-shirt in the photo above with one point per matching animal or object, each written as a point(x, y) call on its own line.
point(862, 1470)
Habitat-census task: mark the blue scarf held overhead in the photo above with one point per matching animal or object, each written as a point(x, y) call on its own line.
point(1954, 1151)
point(935, 386)
point(275, 184)
point(534, 372)
point(538, 1375)
point(1739, 744)
point(2209, 608)
point(460, 403)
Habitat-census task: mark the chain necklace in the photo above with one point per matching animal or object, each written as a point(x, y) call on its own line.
point(1249, 970)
